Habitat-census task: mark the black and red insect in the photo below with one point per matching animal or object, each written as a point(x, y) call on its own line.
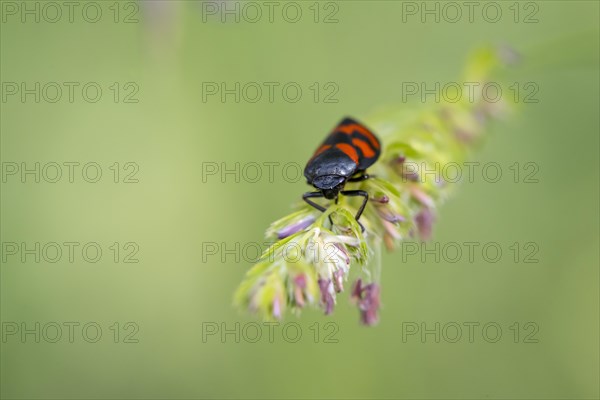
point(343, 157)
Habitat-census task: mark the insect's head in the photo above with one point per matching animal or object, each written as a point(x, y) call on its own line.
point(330, 185)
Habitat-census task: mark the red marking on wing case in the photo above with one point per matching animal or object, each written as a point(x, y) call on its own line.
point(348, 150)
point(322, 149)
point(350, 128)
point(364, 147)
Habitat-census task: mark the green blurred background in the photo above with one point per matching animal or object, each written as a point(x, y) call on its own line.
point(170, 133)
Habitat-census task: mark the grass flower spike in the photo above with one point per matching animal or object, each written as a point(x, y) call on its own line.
point(315, 253)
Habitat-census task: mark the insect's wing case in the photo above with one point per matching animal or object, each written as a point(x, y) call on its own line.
point(349, 148)
point(360, 137)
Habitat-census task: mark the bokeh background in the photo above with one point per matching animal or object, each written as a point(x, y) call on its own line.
point(167, 51)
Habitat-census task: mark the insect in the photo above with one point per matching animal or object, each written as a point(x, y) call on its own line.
point(343, 157)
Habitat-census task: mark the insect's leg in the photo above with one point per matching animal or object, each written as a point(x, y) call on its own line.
point(358, 193)
point(362, 206)
point(319, 207)
point(306, 196)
